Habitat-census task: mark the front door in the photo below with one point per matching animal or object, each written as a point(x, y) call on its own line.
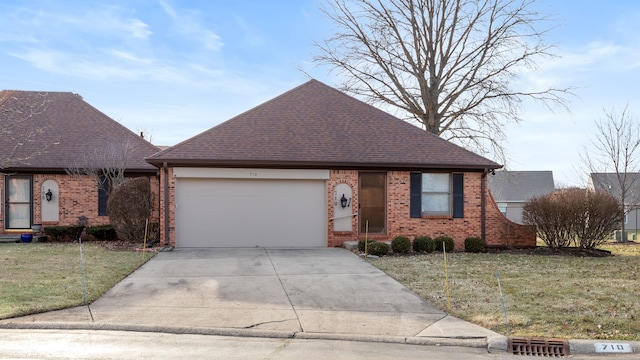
point(18, 195)
point(373, 203)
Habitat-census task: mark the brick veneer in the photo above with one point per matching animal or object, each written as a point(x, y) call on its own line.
point(502, 232)
point(167, 229)
point(77, 197)
point(499, 230)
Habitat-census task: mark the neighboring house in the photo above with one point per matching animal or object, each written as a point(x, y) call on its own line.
point(314, 167)
point(512, 189)
point(609, 182)
point(37, 144)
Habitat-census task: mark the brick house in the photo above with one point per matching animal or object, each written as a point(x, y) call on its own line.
point(41, 134)
point(314, 167)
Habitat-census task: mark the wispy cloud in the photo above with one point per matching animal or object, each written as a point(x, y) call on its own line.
point(187, 23)
point(109, 42)
point(122, 65)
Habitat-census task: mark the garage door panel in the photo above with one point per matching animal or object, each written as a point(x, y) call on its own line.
point(249, 213)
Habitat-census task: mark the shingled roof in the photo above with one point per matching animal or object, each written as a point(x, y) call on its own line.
point(317, 126)
point(47, 131)
point(520, 186)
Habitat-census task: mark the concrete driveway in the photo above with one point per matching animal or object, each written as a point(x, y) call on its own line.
point(303, 293)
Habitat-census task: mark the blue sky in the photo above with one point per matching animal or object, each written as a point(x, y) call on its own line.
point(175, 68)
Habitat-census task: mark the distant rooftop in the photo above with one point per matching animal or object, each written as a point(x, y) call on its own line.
point(520, 186)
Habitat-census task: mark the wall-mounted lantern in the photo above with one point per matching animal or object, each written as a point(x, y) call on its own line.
point(48, 195)
point(343, 201)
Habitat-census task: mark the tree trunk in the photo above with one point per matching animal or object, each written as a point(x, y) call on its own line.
point(623, 237)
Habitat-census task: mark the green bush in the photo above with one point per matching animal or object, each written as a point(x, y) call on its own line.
point(61, 233)
point(423, 244)
point(448, 243)
point(400, 244)
point(473, 245)
point(102, 232)
point(378, 248)
point(361, 244)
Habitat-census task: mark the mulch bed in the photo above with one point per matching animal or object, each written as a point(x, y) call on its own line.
point(546, 251)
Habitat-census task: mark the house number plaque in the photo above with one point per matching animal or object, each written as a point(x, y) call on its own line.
point(613, 348)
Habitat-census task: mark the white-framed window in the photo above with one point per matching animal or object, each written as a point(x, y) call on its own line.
point(503, 208)
point(436, 194)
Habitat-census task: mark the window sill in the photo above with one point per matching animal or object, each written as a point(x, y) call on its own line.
point(436, 217)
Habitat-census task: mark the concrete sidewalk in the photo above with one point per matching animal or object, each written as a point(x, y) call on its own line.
point(299, 293)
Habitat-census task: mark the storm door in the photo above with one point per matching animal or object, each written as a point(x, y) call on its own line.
point(372, 203)
point(18, 206)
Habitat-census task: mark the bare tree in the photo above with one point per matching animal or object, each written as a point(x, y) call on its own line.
point(451, 65)
point(19, 134)
point(105, 165)
point(614, 159)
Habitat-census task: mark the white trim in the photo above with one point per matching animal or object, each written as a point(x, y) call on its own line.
point(245, 173)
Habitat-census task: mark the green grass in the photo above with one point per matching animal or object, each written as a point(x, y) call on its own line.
point(42, 277)
point(545, 295)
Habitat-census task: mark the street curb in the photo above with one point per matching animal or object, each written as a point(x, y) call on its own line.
point(493, 344)
point(497, 344)
point(588, 347)
point(576, 347)
point(472, 342)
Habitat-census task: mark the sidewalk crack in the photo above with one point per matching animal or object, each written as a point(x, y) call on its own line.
point(268, 322)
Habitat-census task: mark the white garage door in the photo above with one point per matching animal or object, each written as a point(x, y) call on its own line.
point(250, 212)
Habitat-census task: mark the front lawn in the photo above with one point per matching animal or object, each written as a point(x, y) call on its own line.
point(545, 295)
point(42, 277)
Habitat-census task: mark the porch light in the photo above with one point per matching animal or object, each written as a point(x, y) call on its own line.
point(343, 201)
point(48, 195)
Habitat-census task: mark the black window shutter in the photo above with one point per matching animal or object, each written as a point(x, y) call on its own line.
point(415, 201)
point(458, 195)
point(103, 197)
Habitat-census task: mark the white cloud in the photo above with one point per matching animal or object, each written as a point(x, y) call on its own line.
point(128, 56)
point(47, 60)
point(168, 9)
point(186, 23)
point(119, 65)
point(137, 28)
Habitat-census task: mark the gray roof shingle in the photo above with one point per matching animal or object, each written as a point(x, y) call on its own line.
point(53, 128)
point(613, 184)
point(313, 126)
point(520, 186)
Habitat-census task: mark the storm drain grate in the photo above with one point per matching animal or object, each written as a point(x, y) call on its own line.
point(539, 347)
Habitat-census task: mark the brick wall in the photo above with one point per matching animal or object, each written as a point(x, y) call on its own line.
point(77, 197)
point(499, 230)
point(504, 233)
point(168, 229)
point(349, 177)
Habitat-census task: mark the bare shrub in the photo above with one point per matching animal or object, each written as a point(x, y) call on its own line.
point(550, 218)
point(573, 217)
point(129, 208)
point(602, 213)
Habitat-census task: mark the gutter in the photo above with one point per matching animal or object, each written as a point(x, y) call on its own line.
point(483, 206)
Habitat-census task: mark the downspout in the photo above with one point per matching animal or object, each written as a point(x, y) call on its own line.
point(159, 177)
point(483, 206)
point(166, 203)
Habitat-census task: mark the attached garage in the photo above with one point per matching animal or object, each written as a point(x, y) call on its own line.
point(250, 208)
point(314, 167)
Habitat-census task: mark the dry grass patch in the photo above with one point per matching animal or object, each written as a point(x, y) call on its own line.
point(43, 277)
point(545, 295)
